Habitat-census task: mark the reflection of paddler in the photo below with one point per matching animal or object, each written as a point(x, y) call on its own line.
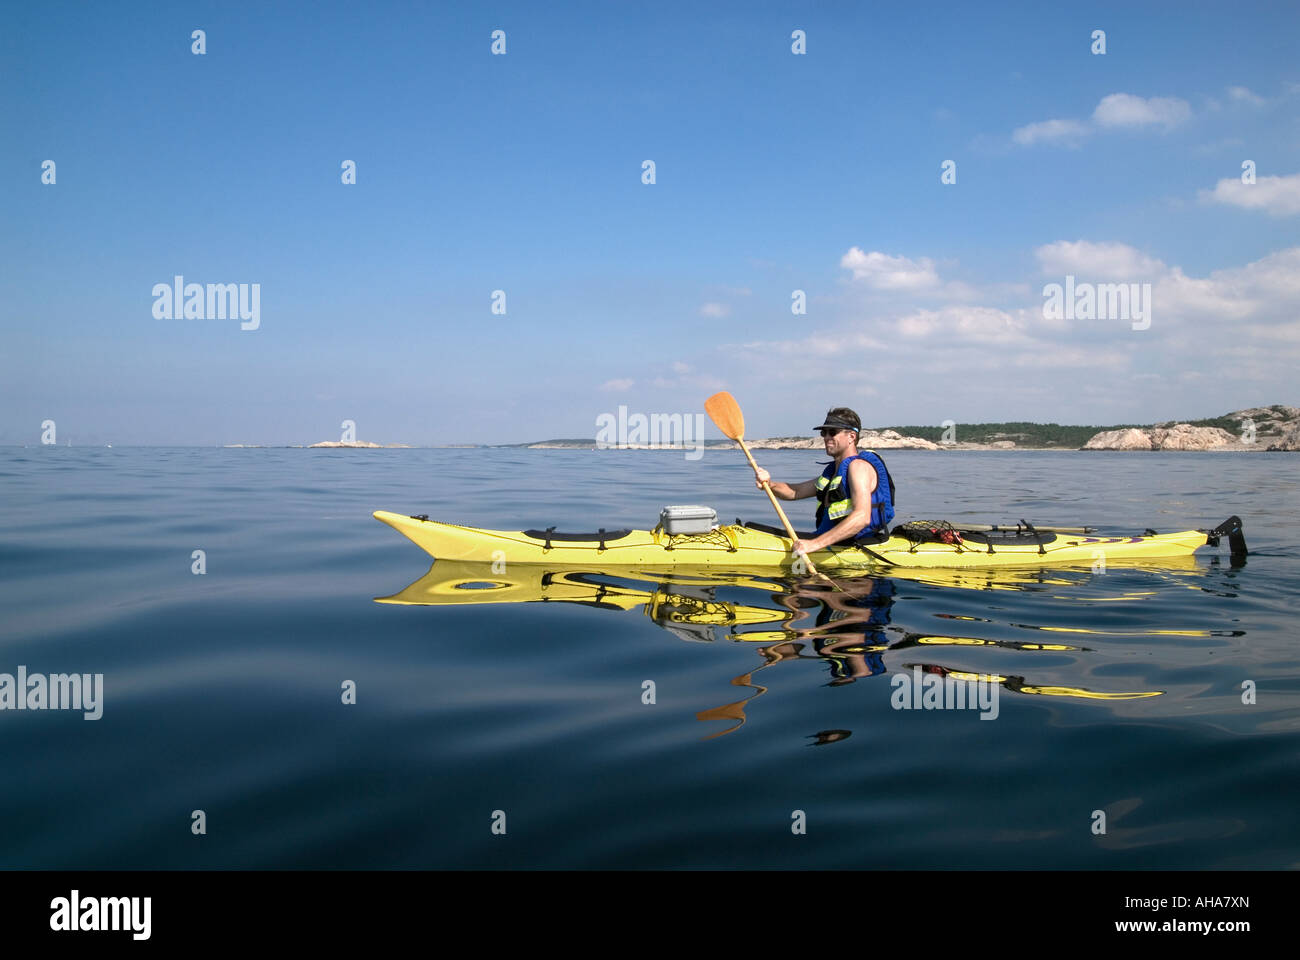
point(849, 659)
point(848, 631)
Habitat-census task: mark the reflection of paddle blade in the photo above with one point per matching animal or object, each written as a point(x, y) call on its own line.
point(732, 711)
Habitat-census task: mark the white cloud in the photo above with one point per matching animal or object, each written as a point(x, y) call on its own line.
point(967, 324)
point(1265, 294)
point(715, 310)
point(617, 386)
point(879, 277)
point(1276, 276)
point(1069, 132)
point(1110, 262)
point(1127, 110)
point(1114, 111)
point(1279, 196)
point(818, 345)
point(1187, 300)
point(683, 376)
point(1244, 95)
point(883, 272)
point(1088, 359)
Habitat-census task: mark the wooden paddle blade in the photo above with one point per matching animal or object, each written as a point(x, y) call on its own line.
point(724, 411)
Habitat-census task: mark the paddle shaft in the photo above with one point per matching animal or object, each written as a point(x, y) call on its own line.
point(785, 521)
point(767, 488)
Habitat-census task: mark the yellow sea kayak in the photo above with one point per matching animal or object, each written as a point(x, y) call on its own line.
point(735, 547)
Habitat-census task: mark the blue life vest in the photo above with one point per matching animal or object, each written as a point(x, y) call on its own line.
point(837, 502)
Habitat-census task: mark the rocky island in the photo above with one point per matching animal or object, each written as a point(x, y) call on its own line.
point(1258, 428)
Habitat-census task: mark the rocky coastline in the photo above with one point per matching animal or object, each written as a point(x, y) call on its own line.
point(1258, 430)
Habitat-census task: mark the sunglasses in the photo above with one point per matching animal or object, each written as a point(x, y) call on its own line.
point(831, 433)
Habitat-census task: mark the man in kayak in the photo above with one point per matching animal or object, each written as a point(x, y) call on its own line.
point(855, 492)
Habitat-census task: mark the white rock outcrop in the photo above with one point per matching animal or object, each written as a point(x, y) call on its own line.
point(357, 445)
point(1178, 436)
point(1183, 436)
point(1288, 440)
point(1130, 439)
point(892, 440)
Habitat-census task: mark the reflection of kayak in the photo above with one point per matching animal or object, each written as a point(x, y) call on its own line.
point(745, 548)
point(779, 615)
point(449, 582)
point(674, 600)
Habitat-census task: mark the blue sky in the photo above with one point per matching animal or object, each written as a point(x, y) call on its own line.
point(774, 172)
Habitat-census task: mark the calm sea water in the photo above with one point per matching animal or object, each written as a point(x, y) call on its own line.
point(222, 691)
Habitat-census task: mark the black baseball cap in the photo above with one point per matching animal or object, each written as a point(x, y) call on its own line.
point(841, 418)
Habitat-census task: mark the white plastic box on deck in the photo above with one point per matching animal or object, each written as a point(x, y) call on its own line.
point(687, 520)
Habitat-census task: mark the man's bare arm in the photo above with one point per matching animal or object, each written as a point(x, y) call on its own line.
point(787, 491)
